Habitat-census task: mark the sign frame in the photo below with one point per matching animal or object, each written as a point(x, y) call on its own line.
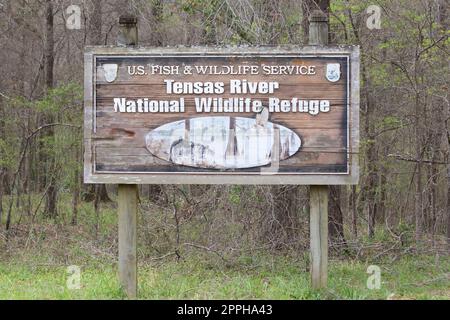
point(265, 178)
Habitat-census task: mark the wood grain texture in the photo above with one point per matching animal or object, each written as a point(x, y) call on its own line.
point(115, 142)
point(127, 222)
point(318, 227)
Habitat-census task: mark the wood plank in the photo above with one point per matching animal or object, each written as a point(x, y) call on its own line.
point(327, 143)
point(127, 210)
point(319, 235)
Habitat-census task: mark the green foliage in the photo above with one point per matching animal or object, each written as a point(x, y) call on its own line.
point(61, 98)
point(391, 122)
point(235, 194)
point(8, 154)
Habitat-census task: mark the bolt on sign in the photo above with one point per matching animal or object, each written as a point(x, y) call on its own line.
point(285, 115)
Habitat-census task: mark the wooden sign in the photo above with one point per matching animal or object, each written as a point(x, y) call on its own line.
point(222, 116)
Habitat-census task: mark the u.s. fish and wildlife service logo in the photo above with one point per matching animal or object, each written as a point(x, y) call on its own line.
point(110, 71)
point(333, 73)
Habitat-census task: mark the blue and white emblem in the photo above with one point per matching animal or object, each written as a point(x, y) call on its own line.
point(110, 71)
point(333, 73)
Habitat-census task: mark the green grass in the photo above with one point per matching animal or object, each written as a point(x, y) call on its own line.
point(33, 262)
point(411, 277)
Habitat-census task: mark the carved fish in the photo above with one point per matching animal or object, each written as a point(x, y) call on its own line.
point(221, 142)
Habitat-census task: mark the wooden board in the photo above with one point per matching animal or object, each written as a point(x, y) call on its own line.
point(294, 143)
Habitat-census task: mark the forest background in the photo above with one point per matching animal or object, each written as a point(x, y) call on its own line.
point(226, 241)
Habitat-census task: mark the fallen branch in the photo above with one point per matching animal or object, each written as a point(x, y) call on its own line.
point(206, 249)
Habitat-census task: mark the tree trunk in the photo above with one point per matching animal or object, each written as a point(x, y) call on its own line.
point(447, 158)
point(49, 45)
point(371, 189)
point(157, 15)
point(1, 196)
point(381, 208)
point(51, 197)
point(353, 206)
point(418, 210)
point(448, 207)
point(102, 193)
point(368, 193)
point(371, 156)
point(76, 191)
point(97, 211)
point(96, 23)
point(2, 169)
point(285, 212)
point(335, 216)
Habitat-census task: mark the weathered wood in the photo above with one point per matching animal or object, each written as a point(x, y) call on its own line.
point(329, 140)
point(128, 32)
point(128, 194)
point(127, 211)
point(318, 223)
point(318, 28)
point(318, 227)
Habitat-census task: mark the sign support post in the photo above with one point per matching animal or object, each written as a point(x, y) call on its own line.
point(127, 207)
point(318, 198)
point(128, 194)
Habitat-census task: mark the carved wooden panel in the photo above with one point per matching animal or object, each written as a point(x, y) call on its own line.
point(201, 115)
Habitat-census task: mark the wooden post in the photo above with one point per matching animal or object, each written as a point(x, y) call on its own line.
point(128, 193)
point(128, 32)
point(128, 206)
point(318, 197)
point(318, 28)
point(318, 233)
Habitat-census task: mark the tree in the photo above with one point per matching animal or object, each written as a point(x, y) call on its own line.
point(52, 191)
